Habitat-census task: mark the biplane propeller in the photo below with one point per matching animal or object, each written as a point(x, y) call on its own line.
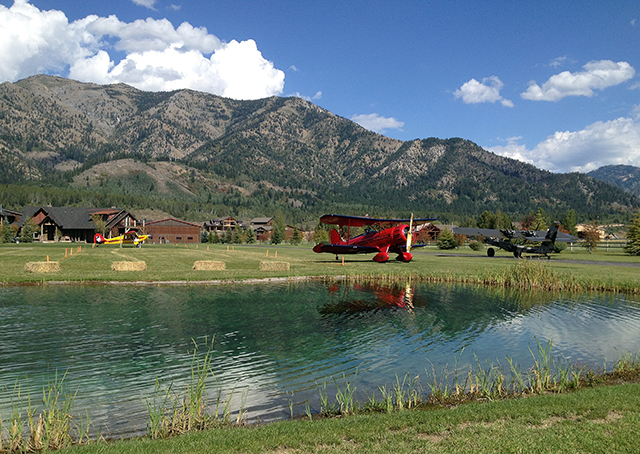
point(382, 237)
point(509, 239)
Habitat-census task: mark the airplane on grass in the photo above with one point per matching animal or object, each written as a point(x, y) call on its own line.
point(129, 237)
point(503, 239)
point(382, 236)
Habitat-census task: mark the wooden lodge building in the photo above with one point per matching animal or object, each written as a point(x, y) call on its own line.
point(75, 223)
point(173, 230)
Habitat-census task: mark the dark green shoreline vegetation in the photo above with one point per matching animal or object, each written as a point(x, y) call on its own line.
point(461, 403)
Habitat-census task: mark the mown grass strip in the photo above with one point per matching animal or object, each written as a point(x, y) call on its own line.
point(601, 419)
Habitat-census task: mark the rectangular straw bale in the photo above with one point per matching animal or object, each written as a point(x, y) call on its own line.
point(129, 266)
point(274, 266)
point(208, 265)
point(42, 267)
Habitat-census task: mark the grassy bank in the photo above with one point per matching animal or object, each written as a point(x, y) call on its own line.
point(599, 419)
point(560, 406)
point(175, 263)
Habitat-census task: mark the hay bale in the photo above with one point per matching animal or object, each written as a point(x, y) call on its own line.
point(274, 266)
point(42, 267)
point(208, 265)
point(129, 266)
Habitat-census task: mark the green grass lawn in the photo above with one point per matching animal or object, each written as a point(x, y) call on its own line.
point(175, 263)
point(604, 419)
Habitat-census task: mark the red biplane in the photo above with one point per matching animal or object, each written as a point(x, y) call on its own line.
point(381, 237)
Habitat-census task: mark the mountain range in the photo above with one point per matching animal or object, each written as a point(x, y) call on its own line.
point(197, 154)
point(622, 176)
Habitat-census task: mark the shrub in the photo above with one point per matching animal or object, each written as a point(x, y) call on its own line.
point(476, 246)
point(447, 240)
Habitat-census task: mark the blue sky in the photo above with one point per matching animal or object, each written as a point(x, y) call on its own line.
point(553, 83)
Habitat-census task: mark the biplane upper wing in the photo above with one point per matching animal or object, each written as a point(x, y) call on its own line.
point(361, 221)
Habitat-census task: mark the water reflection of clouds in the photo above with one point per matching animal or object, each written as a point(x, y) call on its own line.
point(274, 340)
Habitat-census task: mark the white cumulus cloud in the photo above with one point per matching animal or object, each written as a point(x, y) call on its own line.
point(376, 123)
point(474, 92)
point(146, 3)
point(315, 97)
point(597, 75)
point(148, 54)
point(602, 143)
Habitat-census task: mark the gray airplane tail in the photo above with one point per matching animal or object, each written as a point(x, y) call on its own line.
point(550, 239)
point(552, 233)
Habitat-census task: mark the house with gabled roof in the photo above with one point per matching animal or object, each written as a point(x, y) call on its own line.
point(75, 223)
point(8, 216)
point(220, 225)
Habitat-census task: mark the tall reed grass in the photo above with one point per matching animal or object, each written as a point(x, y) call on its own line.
point(480, 381)
point(174, 413)
point(33, 429)
point(525, 274)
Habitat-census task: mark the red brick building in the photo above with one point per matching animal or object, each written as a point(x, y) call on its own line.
point(173, 230)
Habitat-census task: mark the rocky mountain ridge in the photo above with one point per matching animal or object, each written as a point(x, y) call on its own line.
point(622, 176)
point(189, 144)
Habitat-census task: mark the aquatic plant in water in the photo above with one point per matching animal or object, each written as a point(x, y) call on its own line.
point(172, 413)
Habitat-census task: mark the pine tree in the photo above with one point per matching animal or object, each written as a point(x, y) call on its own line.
point(487, 220)
point(570, 221)
point(238, 234)
point(279, 226)
point(5, 233)
point(447, 240)
point(633, 236)
point(250, 236)
point(296, 238)
point(27, 231)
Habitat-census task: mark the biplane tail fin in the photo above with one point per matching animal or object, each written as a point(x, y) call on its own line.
point(334, 236)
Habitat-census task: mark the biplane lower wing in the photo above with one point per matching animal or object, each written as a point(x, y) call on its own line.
point(340, 249)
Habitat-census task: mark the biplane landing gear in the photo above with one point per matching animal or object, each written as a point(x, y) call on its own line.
point(337, 258)
point(491, 252)
point(517, 254)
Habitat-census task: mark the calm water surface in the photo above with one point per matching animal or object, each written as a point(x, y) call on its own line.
point(279, 343)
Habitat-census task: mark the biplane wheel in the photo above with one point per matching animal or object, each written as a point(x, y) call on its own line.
point(517, 254)
point(337, 258)
point(491, 252)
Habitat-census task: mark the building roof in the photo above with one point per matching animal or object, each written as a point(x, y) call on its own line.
point(77, 218)
point(260, 220)
point(161, 221)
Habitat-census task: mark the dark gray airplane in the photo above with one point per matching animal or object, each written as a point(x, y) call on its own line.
point(504, 239)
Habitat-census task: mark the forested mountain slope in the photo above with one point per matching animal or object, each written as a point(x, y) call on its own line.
point(624, 177)
point(218, 155)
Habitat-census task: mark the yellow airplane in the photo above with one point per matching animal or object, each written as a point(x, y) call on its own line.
point(129, 237)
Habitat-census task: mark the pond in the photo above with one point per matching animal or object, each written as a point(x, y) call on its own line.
point(274, 346)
